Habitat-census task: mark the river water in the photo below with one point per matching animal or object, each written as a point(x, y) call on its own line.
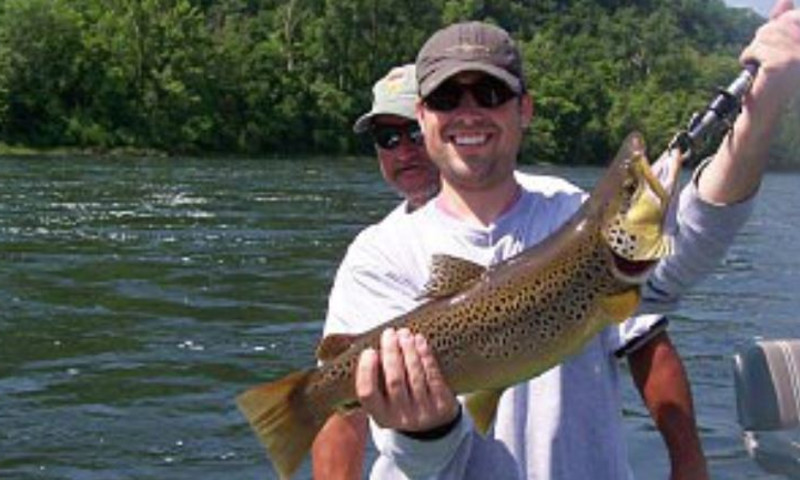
point(140, 296)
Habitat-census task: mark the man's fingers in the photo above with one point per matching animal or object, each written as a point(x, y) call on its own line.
point(394, 369)
point(440, 393)
point(775, 42)
point(780, 7)
point(368, 387)
point(416, 377)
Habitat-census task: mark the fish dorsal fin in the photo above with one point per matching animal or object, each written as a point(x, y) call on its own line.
point(334, 345)
point(450, 275)
point(621, 306)
point(482, 407)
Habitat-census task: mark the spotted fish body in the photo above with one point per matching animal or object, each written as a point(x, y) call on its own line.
point(492, 328)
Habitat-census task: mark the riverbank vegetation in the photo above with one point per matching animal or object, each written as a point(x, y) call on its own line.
point(290, 76)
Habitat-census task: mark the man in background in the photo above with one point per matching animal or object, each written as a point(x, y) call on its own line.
point(392, 124)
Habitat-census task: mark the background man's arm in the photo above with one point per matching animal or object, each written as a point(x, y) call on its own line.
point(661, 379)
point(338, 451)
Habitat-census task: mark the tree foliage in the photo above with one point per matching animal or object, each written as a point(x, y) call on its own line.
point(290, 76)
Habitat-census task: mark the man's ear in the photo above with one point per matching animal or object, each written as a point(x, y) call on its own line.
point(420, 111)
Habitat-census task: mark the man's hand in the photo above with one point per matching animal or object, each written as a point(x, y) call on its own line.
point(739, 165)
point(402, 387)
point(776, 47)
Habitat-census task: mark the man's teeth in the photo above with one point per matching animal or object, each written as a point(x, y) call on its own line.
point(469, 140)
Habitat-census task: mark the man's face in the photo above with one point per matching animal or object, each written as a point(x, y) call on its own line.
point(404, 162)
point(474, 141)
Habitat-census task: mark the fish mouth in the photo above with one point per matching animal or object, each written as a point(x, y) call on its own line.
point(634, 271)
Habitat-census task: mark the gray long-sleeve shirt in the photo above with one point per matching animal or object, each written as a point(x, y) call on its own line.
point(565, 423)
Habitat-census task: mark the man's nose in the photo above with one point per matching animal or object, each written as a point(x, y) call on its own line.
point(468, 107)
point(407, 149)
point(468, 101)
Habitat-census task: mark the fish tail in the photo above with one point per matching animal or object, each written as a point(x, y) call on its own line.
point(279, 414)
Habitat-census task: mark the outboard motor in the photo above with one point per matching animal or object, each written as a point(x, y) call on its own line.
point(767, 382)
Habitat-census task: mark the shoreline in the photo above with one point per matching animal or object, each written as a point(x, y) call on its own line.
point(21, 151)
point(775, 165)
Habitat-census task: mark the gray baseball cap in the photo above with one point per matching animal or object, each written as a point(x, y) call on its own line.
point(394, 94)
point(469, 46)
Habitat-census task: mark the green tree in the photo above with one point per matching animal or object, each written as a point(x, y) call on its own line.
point(286, 76)
point(171, 46)
point(41, 38)
point(599, 72)
point(5, 78)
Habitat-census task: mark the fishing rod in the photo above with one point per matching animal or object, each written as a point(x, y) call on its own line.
point(719, 114)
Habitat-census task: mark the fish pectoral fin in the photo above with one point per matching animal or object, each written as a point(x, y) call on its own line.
point(482, 407)
point(621, 306)
point(334, 345)
point(449, 275)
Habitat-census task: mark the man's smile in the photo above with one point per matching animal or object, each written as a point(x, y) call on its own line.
point(470, 139)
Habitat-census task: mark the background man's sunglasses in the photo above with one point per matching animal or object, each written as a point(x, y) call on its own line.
point(488, 92)
point(388, 137)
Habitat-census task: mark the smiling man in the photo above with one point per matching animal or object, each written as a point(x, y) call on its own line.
point(566, 423)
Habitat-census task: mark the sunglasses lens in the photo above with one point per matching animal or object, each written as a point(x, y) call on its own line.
point(389, 137)
point(415, 134)
point(490, 92)
point(445, 98)
point(386, 137)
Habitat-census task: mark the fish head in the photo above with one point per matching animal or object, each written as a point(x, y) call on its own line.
point(632, 207)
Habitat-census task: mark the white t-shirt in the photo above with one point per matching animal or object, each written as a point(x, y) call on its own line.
point(563, 424)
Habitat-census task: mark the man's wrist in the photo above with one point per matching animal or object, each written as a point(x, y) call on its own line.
point(438, 432)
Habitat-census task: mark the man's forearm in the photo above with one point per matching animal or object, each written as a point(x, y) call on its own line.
point(338, 451)
point(662, 382)
point(738, 166)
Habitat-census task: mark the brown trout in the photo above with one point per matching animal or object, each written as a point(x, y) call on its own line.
point(492, 328)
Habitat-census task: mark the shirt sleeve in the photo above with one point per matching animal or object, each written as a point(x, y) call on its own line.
point(637, 331)
point(463, 454)
point(404, 457)
point(703, 233)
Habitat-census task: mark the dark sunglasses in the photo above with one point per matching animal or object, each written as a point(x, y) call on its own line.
point(388, 137)
point(488, 92)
